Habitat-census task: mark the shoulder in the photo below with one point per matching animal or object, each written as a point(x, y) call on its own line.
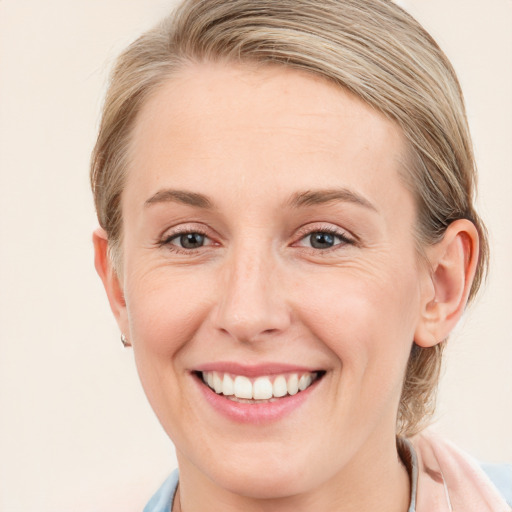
point(162, 499)
point(446, 469)
point(501, 476)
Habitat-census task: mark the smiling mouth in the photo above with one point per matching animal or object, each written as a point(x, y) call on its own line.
point(271, 388)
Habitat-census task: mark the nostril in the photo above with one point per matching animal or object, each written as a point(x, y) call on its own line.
point(251, 304)
point(251, 328)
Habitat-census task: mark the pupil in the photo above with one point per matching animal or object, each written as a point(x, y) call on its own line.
point(191, 240)
point(322, 240)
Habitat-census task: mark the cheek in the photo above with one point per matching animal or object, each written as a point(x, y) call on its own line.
point(165, 309)
point(366, 318)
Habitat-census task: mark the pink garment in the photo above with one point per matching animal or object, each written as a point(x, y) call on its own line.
point(450, 481)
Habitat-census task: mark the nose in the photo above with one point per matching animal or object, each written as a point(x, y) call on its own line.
point(252, 303)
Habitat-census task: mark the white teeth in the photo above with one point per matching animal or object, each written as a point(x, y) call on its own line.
point(305, 381)
point(217, 383)
point(228, 386)
point(293, 384)
point(243, 387)
point(279, 388)
point(261, 389)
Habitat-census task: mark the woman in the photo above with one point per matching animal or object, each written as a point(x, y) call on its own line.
point(285, 193)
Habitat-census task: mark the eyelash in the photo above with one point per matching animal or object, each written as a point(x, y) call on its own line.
point(302, 235)
point(167, 240)
point(328, 230)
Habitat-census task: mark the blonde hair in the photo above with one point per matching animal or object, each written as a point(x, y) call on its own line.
point(374, 49)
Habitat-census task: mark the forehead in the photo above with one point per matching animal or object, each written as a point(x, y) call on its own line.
point(270, 126)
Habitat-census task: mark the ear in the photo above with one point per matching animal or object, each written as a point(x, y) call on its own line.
point(453, 263)
point(110, 278)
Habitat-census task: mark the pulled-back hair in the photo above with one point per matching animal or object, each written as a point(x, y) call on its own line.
point(372, 48)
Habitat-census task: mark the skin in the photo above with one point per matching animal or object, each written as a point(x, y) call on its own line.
point(250, 140)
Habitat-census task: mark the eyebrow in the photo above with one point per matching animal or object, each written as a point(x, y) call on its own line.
point(297, 200)
point(314, 197)
point(180, 196)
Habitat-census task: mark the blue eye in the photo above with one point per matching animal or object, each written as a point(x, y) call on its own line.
point(192, 240)
point(322, 240)
point(325, 240)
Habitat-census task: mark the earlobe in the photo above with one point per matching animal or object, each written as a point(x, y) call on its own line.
point(453, 264)
point(109, 277)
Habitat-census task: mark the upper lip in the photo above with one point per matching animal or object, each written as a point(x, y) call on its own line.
point(254, 370)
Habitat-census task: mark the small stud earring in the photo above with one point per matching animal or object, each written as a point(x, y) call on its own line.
point(124, 341)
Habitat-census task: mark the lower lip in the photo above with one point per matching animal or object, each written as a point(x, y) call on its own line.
point(263, 412)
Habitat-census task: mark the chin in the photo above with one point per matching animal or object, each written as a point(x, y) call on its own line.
point(265, 483)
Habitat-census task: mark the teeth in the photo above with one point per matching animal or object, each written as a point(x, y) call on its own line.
point(305, 381)
point(279, 388)
point(217, 383)
point(243, 387)
point(262, 388)
point(228, 386)
point(293, 384)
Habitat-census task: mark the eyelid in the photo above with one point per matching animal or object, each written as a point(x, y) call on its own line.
point(185, 227)
point(170, 239)
point(172, 233)
point(310, 228)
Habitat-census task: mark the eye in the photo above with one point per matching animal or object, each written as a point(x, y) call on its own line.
point(324, 239)
point(320, 240)
point(188, 240)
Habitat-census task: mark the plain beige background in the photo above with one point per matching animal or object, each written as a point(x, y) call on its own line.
point(76, 433)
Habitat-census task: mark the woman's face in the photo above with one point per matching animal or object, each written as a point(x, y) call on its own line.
point(268, 238)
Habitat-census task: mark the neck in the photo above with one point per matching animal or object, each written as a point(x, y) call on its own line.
point(376, 481)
